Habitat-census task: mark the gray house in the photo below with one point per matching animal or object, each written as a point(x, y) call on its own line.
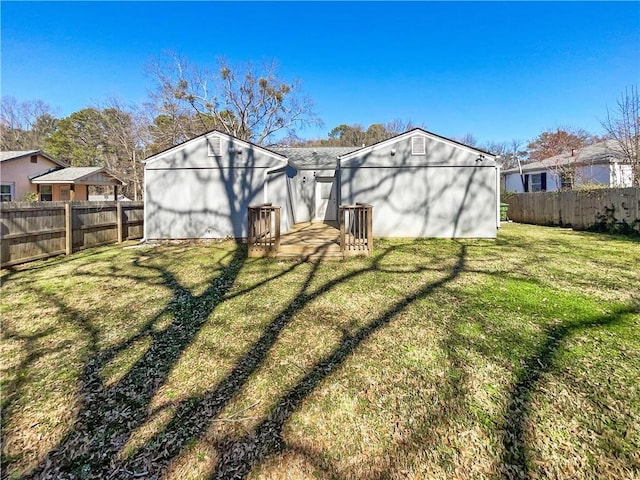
point(420, 185)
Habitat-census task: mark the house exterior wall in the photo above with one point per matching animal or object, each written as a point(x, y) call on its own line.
point(189, 194)
point(610, 175)
point(447, 192)
point(80, 192)
point(303, 192)
point(599, 174)
point(513, 181)
point(18, 171)
point(621, 175)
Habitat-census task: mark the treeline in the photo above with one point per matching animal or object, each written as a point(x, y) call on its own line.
point(249, 102)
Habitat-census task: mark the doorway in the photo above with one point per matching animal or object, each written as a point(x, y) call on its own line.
point(326, 204)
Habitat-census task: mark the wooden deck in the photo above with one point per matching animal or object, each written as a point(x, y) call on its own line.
point(311, 240)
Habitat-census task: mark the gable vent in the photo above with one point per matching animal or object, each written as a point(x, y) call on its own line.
point(215, 146)
point(418, 146)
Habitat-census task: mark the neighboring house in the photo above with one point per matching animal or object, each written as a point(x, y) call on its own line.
point(420, 185)
point(33, 173)
point(18, 167)
point(108, 197)
point(72, 183)
point(598, 164)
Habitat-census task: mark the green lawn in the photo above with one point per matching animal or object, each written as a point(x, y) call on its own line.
point(513, 358)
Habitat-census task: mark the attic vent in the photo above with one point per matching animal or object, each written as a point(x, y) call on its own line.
point(417, 146)
point(215, 146)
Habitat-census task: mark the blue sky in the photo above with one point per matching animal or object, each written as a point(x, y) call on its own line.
point(496, 70)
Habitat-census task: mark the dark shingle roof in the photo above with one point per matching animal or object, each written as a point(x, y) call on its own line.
point(602, 152)
point(314, 158)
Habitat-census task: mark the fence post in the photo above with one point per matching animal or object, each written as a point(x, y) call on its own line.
point(119, 222)
point(68, 228)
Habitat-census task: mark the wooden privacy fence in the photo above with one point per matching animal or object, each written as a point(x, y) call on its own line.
point(578, 209)
point(356, 229)
point(263, 236)
point(35, 230)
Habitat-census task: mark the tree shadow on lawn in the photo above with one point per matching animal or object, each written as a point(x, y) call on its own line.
point(108, 415)
point(515, 463)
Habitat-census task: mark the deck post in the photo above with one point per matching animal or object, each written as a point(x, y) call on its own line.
point(277, 243)
point(370, 228)
point(342, 246)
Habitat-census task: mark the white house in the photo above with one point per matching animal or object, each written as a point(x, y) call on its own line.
point(420, 185)
point(598, 164)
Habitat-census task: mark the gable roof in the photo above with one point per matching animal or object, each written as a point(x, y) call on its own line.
point(214, 132)
point(7, 155)
point(411, 132)
point(79, 176)
point(604, 152)
point(314, 158)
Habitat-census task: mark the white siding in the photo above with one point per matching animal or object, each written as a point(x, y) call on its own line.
point(449, 192)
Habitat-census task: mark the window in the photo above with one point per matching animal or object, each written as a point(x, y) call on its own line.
point(34, 158)
point(566, 180)
point(6, 192)
point(215, 146)
point(325, 190)
point(537, 182)
point(417, 146)
point(65, 194)
point(46, 193)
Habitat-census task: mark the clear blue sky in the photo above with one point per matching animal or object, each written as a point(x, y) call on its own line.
point(495, 70)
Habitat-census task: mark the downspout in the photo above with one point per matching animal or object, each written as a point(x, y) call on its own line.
point(521, 175)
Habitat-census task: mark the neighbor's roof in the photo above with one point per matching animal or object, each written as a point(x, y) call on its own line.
point(79, 175)
point(598, 153)
point(314, 158)
point(15, 154)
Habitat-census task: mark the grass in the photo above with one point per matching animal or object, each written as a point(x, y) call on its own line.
point(513, 358)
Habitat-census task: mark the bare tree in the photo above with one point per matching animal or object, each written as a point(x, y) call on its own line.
point(623, 126)
point(467, 139)
point(247, 102)
point(398, 126)
point(25, 125)
point(509, 154)
point(127, 134)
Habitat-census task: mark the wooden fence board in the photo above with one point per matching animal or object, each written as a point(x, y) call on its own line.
point(33, 230)
point(578, 209)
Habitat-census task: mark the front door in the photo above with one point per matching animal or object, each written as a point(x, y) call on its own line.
point(326, 205)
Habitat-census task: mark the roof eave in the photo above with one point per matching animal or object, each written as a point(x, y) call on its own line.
point(156, 156)
point(431, 135)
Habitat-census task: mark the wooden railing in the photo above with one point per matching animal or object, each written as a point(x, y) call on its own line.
point(263, 236)
point(356, 229)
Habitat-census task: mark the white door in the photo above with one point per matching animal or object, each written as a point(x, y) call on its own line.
point(326, 200)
